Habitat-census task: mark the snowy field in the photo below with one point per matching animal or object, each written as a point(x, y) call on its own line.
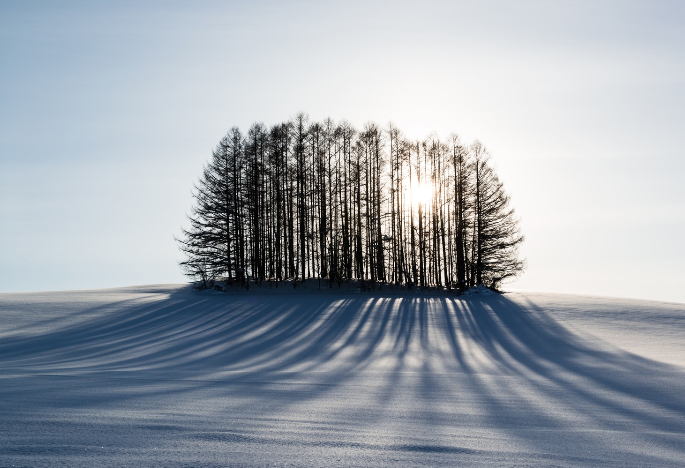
point(166, 376)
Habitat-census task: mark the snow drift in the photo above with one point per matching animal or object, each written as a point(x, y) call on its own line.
point(164, 375)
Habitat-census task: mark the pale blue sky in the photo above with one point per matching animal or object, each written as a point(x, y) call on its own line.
point(108, 111)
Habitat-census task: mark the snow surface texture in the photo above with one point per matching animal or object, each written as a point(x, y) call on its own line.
point(167, 376)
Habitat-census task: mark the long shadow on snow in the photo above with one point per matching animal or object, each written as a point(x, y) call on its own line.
point(608, 388)
point(446, 341)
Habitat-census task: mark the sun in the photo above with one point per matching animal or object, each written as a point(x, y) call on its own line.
point(421, 193)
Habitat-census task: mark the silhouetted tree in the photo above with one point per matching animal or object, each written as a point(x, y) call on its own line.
point(319, 199)
point(210, 242)
point(497, 235)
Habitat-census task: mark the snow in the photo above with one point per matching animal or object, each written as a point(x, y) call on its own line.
point(168, 376)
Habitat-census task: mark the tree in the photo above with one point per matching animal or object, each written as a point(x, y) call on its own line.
point(462, 188)
point(304, 200)
point(209, 243)
point(497, 235)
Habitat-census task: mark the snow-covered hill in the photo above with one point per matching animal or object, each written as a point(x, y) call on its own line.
point(167, 376)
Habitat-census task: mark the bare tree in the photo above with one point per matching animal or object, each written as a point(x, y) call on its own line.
point(305, 200)
point(497, 236)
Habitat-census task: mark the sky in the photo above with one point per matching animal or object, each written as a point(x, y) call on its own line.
point(109, 110)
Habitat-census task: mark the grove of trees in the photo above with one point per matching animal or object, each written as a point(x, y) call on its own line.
point(323, 200)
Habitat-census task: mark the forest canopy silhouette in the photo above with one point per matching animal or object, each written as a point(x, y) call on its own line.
point(324, 200)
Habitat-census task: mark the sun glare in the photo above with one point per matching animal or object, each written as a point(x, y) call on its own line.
point(421, 194)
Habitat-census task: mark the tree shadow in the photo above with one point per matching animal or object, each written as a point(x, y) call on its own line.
point(520, 368)
point(566, 380)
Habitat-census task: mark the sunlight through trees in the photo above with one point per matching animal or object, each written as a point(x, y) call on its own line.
point(323, 200)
